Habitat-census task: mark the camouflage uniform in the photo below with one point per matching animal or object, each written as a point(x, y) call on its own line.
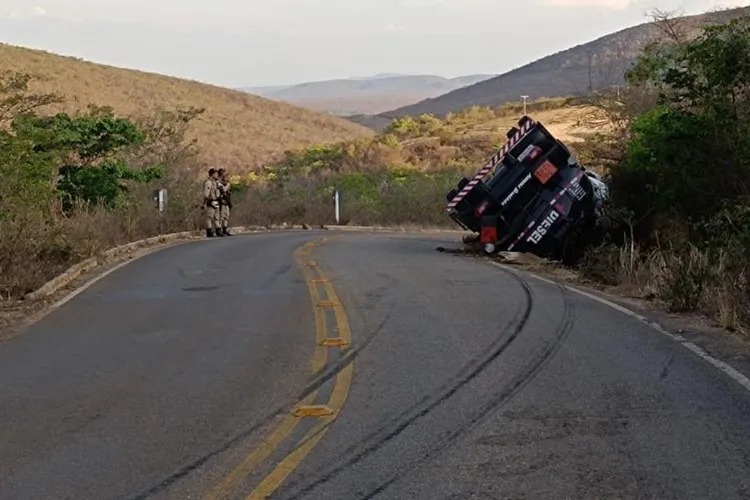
point(211, 196)
point(225, 202)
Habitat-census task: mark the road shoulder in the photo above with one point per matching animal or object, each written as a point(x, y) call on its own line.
point(732, 348)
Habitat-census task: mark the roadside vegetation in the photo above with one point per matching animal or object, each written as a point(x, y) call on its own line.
point(678, 162)
point(75, 184)
point(399, 177)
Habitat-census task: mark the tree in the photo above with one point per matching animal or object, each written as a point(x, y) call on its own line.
point(86, 148)
point(689, 156)
point(16, 98)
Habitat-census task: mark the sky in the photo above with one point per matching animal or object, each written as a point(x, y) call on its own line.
point(237, 43)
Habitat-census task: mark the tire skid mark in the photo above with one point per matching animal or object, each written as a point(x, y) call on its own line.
point(399, 424)
point(533, 368)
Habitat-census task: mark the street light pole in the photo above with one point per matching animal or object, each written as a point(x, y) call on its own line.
point(524, 97)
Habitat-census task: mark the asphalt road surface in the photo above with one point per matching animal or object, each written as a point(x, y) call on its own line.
point(362, 366)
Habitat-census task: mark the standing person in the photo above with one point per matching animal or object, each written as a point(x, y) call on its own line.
point(225, 201)
point(211, 196)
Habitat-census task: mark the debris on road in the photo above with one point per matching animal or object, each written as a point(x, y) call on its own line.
point(506, 257)
point(532, 196)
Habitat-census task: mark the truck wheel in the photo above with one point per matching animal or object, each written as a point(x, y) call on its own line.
point(511, 133)
point(523, 120)
point(451, 194)
point(463, 182)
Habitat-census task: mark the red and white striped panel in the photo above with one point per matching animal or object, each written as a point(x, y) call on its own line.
point(492, 163)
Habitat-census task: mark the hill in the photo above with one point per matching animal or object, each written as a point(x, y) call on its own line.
point(365, 95)
point(238, 130)
point(592, 66)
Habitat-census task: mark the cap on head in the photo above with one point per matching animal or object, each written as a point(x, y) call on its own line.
point(211, 171)
point(221, 171)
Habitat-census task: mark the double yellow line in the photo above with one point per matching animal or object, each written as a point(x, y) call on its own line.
point(326, 413)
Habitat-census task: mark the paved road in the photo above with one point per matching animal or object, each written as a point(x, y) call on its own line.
point(175, 378)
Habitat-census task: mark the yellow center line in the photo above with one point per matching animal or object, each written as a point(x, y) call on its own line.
point(338, 397)
point(290, 422)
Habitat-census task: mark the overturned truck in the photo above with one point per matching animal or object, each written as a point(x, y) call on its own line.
point(531, 196)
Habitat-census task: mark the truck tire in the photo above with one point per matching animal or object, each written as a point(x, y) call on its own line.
point(463, 182)
point(511, 133)
point(523, 120)
point(451, 194)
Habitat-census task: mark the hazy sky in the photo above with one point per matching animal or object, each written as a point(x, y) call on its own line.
point(266, 42)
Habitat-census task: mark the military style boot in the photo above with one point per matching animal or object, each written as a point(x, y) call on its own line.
point(226, 231)
point(209, 233)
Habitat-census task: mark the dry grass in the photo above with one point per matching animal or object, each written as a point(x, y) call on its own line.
point(238, 130)
point(471, 137)
point(693, 280)
point(570, 124)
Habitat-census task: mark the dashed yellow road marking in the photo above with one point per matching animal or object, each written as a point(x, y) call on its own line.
point(335, 342)
point(313, 411)
point(290, 422)
point(327, 303)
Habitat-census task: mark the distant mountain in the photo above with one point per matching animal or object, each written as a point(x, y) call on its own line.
point(592, 66)
point(376, 77)
point(365, 95)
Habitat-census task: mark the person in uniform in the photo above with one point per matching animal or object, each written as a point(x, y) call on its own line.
point(225, 202)
point(211, 197)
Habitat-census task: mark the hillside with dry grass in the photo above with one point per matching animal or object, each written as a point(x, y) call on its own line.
point(237, 130)
point(593, 66)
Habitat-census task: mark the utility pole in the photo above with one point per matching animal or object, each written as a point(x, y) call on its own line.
point(524, 97)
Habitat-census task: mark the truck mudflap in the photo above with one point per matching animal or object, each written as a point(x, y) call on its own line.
point(531, 196)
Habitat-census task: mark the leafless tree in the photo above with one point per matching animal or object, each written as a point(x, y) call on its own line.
point(672, 25)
